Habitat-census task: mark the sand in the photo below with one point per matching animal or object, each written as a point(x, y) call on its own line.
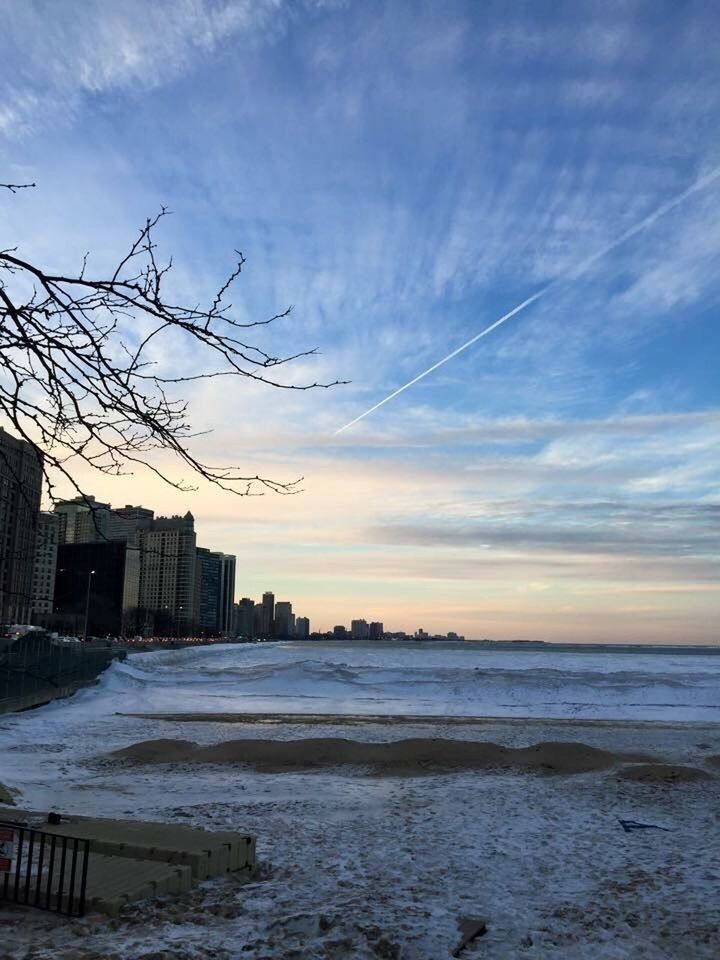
point(416, 756)
point(366, 867)
point(664, 773)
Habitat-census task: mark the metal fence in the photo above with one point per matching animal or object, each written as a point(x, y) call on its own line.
point(43, 870)
point(34, 668)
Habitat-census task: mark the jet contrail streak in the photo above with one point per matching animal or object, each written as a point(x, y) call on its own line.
point(573, 272)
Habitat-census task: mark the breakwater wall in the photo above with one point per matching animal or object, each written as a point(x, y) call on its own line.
point(34, 669)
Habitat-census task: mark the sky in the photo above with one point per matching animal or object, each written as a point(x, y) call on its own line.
point(404, 174)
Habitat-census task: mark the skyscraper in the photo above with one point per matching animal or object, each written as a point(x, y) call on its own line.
point(83, 519)
point(20, 488)
point(44, 567)
point(207, 590)
point(226, 593)
point(302, 628)
point(283, 619)
point(376, 630)
point(168, 574)
point(90, 583)
point(268, 614)
point(359, 630)
point(243, 618)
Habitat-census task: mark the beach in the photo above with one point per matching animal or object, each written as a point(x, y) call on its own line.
point(379, 829)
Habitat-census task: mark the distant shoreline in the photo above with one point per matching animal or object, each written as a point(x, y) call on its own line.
point(400, 719)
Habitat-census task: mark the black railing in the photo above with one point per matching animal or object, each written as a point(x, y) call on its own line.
point(43, 870)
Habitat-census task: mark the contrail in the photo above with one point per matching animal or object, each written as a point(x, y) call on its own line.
point(573, 272)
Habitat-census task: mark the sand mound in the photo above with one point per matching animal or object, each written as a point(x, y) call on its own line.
point(409, 757)
point(157, 751)
point(664, 773)
point(563, 757)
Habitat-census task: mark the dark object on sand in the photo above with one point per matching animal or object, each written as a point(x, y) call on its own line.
point(629, 825)
point(470, 929)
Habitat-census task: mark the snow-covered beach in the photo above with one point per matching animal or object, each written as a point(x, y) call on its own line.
point(358, 863)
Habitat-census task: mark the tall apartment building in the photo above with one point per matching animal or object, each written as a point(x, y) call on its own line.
point(20, 489)
point(377, 630)
point(168, 573)
point(127, 523)
point(359, 630)
point(284, 619)
point(90, 584)
point(207, 595)
point(258, 618)
point(47, 538)
point(83, 519)
point(226, 594)
point(302, 628)
point(243, 625)
point(268, 614)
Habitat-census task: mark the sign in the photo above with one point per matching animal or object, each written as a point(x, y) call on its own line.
point(7, 849)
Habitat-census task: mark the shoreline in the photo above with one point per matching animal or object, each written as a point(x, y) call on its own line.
point(354, 719)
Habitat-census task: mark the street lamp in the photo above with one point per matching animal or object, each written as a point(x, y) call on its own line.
point(91, 574)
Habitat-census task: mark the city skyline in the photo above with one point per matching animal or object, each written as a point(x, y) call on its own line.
point(404, 174)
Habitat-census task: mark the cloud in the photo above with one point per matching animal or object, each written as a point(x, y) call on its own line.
point(54, 64)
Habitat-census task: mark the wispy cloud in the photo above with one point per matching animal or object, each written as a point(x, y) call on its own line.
point(404, 173)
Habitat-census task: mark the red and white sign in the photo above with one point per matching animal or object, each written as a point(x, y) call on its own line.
point(7, 850)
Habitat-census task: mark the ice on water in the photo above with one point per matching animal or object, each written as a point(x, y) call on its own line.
point(423, 679)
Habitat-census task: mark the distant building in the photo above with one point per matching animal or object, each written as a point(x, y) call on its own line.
point(302, 628)
point(83, 519)
point(258, 620)
point(90, 581)
point(44, 567)
point(376, 630)
point(340, 632)
point(226, 593)
point(168, 578)
point(359, 630)
point(207, 591)
point(243, 618)
point(284, 620)
point(127, 523)
point(21, 466)
point(268, 614)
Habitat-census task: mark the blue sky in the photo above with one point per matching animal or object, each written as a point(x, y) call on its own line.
point(404, 173)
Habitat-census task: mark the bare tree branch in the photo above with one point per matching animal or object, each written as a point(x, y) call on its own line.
point(77, 376)
point(14, 187)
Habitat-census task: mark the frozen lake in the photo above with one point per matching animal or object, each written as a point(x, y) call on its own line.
point(414, 678)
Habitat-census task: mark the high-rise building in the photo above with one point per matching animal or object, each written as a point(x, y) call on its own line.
point(376, 630)
point(127, 523)
point(243, 618)
point(340, 632)
point(21, 472)
point(168, 573)
point(226, 593)
point(283, 619)
point(207, 593)
point(359, 630)
point(44, 567)
point(83, 519)
point(89, 588)
point(268, 614)
point(302, 628)
point(258, 619)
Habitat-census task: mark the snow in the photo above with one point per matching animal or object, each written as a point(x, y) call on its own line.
point(367, 867)
point(425, 679)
